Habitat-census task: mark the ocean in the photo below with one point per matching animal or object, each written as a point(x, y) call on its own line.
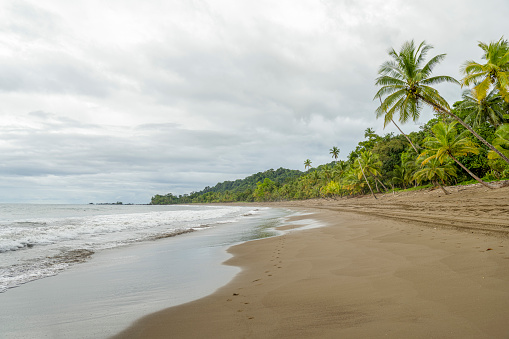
point(88, 271)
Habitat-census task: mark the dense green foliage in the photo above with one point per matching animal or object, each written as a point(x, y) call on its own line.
point(238, 190)
point(452, 148)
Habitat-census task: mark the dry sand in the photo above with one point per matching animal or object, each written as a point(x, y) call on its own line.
point(409, 265)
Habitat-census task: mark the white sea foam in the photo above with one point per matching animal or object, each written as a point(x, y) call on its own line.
point(39, 241)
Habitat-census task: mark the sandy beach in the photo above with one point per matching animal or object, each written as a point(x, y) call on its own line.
point(408, 265)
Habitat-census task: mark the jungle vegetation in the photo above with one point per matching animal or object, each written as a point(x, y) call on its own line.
point(464, 143)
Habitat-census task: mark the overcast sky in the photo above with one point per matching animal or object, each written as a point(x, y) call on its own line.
point(105, 101)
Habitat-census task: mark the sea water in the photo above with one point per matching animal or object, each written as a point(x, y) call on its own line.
point(37, 241)
point(88, 271)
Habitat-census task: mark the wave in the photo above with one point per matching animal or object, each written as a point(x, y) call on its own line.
point(49, 245)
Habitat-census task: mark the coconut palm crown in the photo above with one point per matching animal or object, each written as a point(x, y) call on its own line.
point(448, 144)
point(406, 82)
point(495, 72)
point(307, 163)
point(477, 109)
point(334, 151)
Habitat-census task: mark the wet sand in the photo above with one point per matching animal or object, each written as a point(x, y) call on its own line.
point(408, 265)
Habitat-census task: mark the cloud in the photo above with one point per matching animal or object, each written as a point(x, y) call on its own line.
point(122, 100)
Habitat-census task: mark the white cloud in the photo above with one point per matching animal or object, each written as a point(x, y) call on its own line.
point(136, 98)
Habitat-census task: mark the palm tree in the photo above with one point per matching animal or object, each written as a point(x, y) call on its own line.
point(400, 176)
point(370, 164)
point(307, 164)
point(435, 172)
point(477, 109)
point(495, 72)
point(326, 174)
point(407, 84)
point(446, 143)
point(366, 179)
point(335, 152)
point(501, 141)
point(339, 169)
point(351, 181)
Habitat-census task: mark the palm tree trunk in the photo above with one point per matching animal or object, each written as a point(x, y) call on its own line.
point(374, 196)
point(455, 117)
point(471, 174)
point(406, 136)
point(381, 183)
point(442, 187)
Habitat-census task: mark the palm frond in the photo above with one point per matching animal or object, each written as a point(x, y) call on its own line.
point(428, 68)
point(439, 79)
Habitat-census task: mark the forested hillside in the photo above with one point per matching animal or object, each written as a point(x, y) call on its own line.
point(238, 190)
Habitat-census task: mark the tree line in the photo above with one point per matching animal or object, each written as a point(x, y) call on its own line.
point(466, 142)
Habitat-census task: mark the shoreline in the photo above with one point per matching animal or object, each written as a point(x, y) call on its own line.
point(404, 266)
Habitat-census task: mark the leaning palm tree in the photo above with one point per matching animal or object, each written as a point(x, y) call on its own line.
point(366, 179)
point(334, 151)
point(407, 82)
point(435, 172)
point(495, 72)
point(370, 165)
point(477, 109)
point(307, 164)
point(446, 143)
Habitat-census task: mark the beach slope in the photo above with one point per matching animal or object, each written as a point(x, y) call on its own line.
point(410, 265)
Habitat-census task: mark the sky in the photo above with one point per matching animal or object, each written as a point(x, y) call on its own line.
point(106, 101)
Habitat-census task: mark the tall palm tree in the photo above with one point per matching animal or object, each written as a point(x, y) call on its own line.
point(446, 143)
point(307, 164)
point(334, 151)
point(477, 109)
point(407, 84)
point(405, 79)
point(435, 172)
point(495, 72)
